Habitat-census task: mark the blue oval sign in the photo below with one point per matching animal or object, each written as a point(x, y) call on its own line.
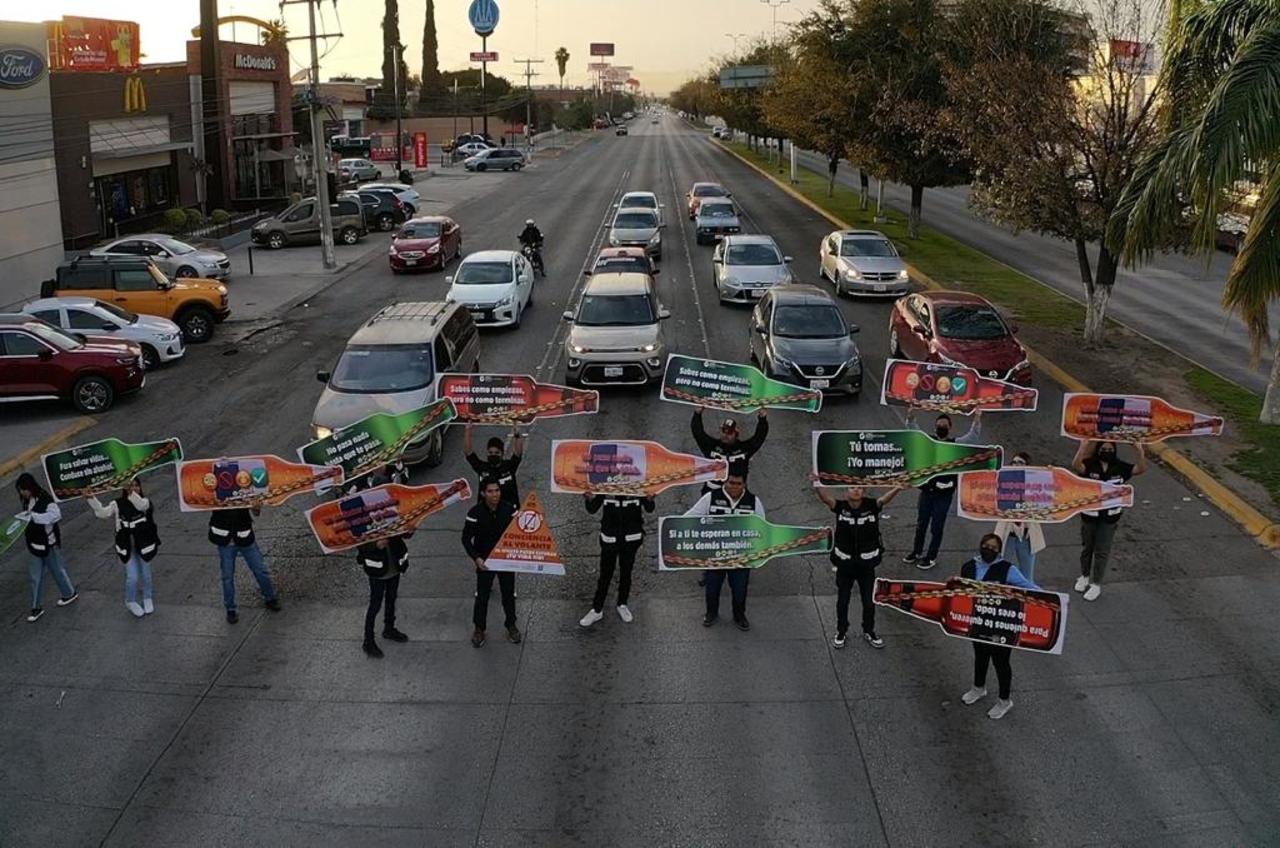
point(20, 67)
point(483, 15)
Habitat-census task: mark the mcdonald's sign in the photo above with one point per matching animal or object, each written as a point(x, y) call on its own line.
point(135, 95)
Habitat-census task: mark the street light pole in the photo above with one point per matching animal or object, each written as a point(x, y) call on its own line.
point(736, 38)
point(398, 50)
point(774, 4)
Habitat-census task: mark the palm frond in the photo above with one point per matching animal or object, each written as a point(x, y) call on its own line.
point(1150, 207)
point(1254, 281)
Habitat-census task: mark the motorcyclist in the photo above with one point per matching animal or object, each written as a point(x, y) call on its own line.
point(531, 237)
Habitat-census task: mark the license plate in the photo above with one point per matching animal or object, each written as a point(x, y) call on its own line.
point(881, 288)
point(757, 293)
point(411, 262)
point(613, 370)
point(819, 384)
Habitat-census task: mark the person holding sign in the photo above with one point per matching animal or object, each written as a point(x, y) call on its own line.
point(730, 446)
point(936, 495)
point(990, 567)
point(855, 553)
point(137, 541)
point(1022, 539)
point(43, 535)
point(621, 535)
point(383, 562)
point(733, 498)
point(231, 530)
point(497, 464)
point(1098, 461)
point(485, 524)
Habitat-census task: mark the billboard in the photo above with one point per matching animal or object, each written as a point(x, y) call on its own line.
point(93, 44)
point(601, 48)
point(746, 76)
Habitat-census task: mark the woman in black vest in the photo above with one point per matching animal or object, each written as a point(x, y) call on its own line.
point(44, 540)
point(137, 541)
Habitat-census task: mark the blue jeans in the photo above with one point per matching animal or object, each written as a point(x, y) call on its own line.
point(253, 559)
point(738, 580)
point(1018, 551)
point(35, 570)
point(135, 566)
point(931, 516)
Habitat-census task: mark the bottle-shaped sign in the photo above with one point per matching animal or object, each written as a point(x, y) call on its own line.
point(234, 482)
point(1132, 418)
point(380, 513)
point(982, 612)
point(638, 468)
point(512, 398)
point(950, 388)
point(104, 466)
point(1031, 493)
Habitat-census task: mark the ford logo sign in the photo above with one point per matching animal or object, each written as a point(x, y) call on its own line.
point(483, 16)
point(20, 67)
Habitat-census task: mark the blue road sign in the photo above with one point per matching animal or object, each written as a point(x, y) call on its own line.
point(483, 15)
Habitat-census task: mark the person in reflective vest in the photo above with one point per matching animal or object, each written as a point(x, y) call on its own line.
point(734, 498)
point(937, 494)
point(621, 535)
point(496, 464)
point(383, 562)
point(43, 535)
point(232, 531)
point(730, 446)
point(137, 542)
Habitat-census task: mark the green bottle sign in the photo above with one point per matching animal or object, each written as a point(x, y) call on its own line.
point(732, 541)
point(104, 466)
point(377, 440)
point(731, 386)
point(893, 457)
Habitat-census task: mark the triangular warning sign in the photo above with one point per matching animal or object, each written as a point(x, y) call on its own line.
point(527, 544)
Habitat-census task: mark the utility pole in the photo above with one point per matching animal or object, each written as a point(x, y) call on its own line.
point(528, 100)
point(215, 155)
point(398, 49)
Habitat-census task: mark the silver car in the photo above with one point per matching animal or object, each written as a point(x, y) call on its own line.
point(642, 200)
point(716, 219)
point(863, 262)
point(745, 267)
point(176, 258)
point(616, 337)
point(637, 228)
point(360, 170)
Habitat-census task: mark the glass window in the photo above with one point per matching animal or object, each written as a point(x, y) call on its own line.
point(302, 213)
point(177, 248)
point(615, 310)
point(422, 229)
point(78, 319)
point(635, 264)
point(483, 273)
point(20, 344)
point(753, 254)
point(809, 322)
point(863, 246)
point(716, 210)
point(131, 248)
point(635, 221)
point(443, 359)
point(970, 322)
point(709, 191)
point(124, 315)
point(639, 201)
point(50, 315)
point(135, 280)
point(384, 368)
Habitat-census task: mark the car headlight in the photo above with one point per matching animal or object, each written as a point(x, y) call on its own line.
point(435, 248)
point(949, 361)
point(168, 337)
point(613, 240)
point(649, 348)
point(393, 250)
point(903, 275)
point(506, 301)
point(576, 348)
point(655, 238)
point(1020, 366)
point(782, 364)
point(854, 359)
point(126, 360)
point(321, 432)
point(853, 274)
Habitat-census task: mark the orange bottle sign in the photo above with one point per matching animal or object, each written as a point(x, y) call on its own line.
point(1029, 493)
point(953, 389)
point(527, 544)
point(380, 513)
point(234, 482)
point(508, 399)
point(1132, 418)
point(1029, 619)
point(639, 468)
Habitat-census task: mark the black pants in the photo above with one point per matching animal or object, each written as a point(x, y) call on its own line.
point(612, 556)
point(931, 516)
point(865, 577)
point(982, 653)
point(381, 592)
point(484, 587)
point(738, 579)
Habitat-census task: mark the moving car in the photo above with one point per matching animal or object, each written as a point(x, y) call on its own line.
point(745, 267)
point(382, 209)
point(623, 259)
point(40, 362)
point(176, 258)
point(299, 223)
point(957, 328)
point(360, 170)
point(135, 284)
point(159, 338)
point(621, 129)
point(715, 219)
point(409, 196)
point(495, 159)
point(616, 336)
point(390, 365)
point(431, 241)
point(700, 192)
point(496, 286)
point(799, 335)
point(863, 262)
point(642, 200)
point(640, 228)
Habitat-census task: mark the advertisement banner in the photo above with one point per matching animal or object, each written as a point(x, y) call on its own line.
point(1131, 418)
point(638, 468)
point(509, 399)
point(234, 482)
point(484, 56)
point(731, 386)
point(104, 466)
point(380, 513)
point(93, 44)
point(419, 150)
point(732, 541)
point(1028, 493)
point(1028, 619)
point(953, 389)
point(373, 442)
point(11, 529)
point(527, 545)
point(601, 48)
point(893, 457)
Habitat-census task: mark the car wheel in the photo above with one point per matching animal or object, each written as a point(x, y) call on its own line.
point(349, 235)
point(435, 448)
point(894, 350)
point(92, 395)
point(186, 271)
point(150, 358)
point(386, 223)
point(482, 167)
point(517, 166)
point(276, 240)
point(196, 324)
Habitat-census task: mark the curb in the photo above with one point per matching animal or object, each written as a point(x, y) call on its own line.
point(12, 464)
point(1263, 530)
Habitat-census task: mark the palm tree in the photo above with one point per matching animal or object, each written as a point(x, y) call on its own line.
point(562, 61)
point(1221, 85)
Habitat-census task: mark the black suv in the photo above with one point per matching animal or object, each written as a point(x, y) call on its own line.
point(383, 211)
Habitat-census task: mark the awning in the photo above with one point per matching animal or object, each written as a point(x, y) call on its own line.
point(269, 155)
point(259, 136)
point(145, 150)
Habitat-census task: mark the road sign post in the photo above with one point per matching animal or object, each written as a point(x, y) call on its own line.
point(483, 16)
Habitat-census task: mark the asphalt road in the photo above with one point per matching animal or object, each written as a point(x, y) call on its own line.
point(1156, 727)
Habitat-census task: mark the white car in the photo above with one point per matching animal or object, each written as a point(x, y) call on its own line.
point(863, 262)
point(408, 195)
point(642, 200)
point(161, 339)
point(496, 287)
point(471, 148)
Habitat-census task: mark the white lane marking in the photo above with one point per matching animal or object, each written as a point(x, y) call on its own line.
point(688, 258)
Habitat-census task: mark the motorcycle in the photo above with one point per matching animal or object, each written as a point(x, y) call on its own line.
point(534, 254)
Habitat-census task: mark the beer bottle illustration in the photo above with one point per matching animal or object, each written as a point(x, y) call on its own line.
point(983, 612)
point(1030, 493)
point(626, 467)
point(233, 482)
point(381, 512)
point(1132, 418)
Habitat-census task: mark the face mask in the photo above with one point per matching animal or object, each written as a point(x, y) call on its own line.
point(1106, 455)
point(494, 460)
point(988, 555)
point(942, 432)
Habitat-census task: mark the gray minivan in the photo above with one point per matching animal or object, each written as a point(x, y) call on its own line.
point(299, 223)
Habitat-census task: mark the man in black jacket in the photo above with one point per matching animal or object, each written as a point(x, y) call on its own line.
point(730, 446)
point(855, 552)
point(485, 524)
point(621, 535)
point(383, 562)
point(496, 463)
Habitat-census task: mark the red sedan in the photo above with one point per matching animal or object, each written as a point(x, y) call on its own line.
point(702, 191)
point(41, 362)
point(425, 243)
point(957, 328)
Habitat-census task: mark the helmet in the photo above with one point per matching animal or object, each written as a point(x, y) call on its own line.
point(529, 223)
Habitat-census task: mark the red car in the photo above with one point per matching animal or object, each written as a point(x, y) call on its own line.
point(41, 362)
point(431, 241)
point(700, 192)
point(957, 328)
point(624, 259)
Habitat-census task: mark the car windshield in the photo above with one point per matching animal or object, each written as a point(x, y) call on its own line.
point(123, 314)
point(866, 247)
point(177, 248)
point(615, 310)
point(385, 368)
point(709, 191)
point(752, 254)
point(431, 229)
point(635, 221)
point(624, 263)
point(54, 336)
point(483, 273)
point(716, 210)
point(639, 201)
point(809, 322)
point(969, 322)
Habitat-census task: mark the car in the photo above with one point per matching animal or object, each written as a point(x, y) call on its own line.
point(468, 138)
point(496, 159)
point(863, 262)
point(615, 336)
point(409, 196)
point(642, 200)
point(431, 241)
point(623, 259)
point(798, 335)
point(640, 228)
point(42, 362)
point(700, 192)
point(299, 223)
point(383, 211)
point(159, 338)
point(496, 286)
point(135, 284)
point(721, 132)
point(176, 258)
point(653, 120)
point(716, 219)
point(390, 365)
point(958, 328)
point(743, 268)
point(621, 129)
point(470, 148)
point(359, 170)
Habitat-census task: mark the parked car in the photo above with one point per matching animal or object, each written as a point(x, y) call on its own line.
point(715, 220)
point(382, 209)
point(360, 170)
point(42, 362)
point(618, 259)
point(422, 243)
point(743, 268)
point(300, 224)
point(863, 262)
point(496, 159)
point(159, 338)
point(700, 192)
point(642, 200)
point(798, 335)
point(621, 129)
point(496, 286)
point(640, 228)
point(616, 334)
point(135, 284)
point(409, 196)
point(468, 138)
point(470, 148)
point(957, 328)
point(176, 258)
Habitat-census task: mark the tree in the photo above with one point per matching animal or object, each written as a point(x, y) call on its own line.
point(696, 97)
point(432, 84)
point(1221, 130)
point(562, 63)
point(276, 35)
point(390, 98)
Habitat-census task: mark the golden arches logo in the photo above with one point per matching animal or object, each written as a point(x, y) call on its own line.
point(135, 95)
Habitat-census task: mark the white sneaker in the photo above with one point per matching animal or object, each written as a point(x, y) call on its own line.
point(148, 607)
point(1001, 707)
point(590, 618)
point(134, 608)
point(625, 614)
point(974, 695)
point(1082, 582)
point(1092, 593)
